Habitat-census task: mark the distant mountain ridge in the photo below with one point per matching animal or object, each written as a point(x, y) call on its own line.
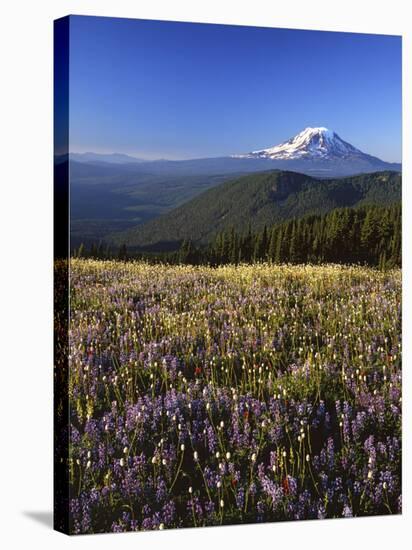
point(110, 158)
point(314, 151)
point(259, 199)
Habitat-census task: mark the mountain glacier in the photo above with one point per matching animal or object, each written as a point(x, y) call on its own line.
point(310, 144)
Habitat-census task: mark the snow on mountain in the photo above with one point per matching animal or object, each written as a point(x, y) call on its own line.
point(312, 144)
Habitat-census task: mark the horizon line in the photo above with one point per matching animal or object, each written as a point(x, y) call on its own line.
point(172, 158)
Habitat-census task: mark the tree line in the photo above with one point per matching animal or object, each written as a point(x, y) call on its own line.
point(366, 235)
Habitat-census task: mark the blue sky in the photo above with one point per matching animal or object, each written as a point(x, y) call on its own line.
point(182, 90)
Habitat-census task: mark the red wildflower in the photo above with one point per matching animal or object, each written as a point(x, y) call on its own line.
point(198, 370)
point(246, 415)
point(285, 485)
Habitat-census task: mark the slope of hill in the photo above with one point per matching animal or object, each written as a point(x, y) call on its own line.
point(259, 199)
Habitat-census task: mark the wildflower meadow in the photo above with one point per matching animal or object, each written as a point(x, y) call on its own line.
point(220, 395)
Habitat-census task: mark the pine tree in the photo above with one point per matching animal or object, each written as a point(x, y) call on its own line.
point(272, 245)
point(122, 255)
point(292, 244)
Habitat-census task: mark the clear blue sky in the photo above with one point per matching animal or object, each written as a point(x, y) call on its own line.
point(183, 90)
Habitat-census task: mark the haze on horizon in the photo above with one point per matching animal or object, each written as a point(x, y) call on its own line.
point(154, 89)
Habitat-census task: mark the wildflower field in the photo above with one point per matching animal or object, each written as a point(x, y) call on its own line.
point(207, 396)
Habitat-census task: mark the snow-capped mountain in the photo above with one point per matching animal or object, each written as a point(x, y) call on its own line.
point(318, 152)
point(310, 144)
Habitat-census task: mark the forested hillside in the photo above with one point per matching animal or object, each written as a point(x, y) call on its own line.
point(369, 235)
point(364, 235)
point(259, 200)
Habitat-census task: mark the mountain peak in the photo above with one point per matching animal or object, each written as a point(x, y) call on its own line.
point(318, 143)
point(318, 130)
